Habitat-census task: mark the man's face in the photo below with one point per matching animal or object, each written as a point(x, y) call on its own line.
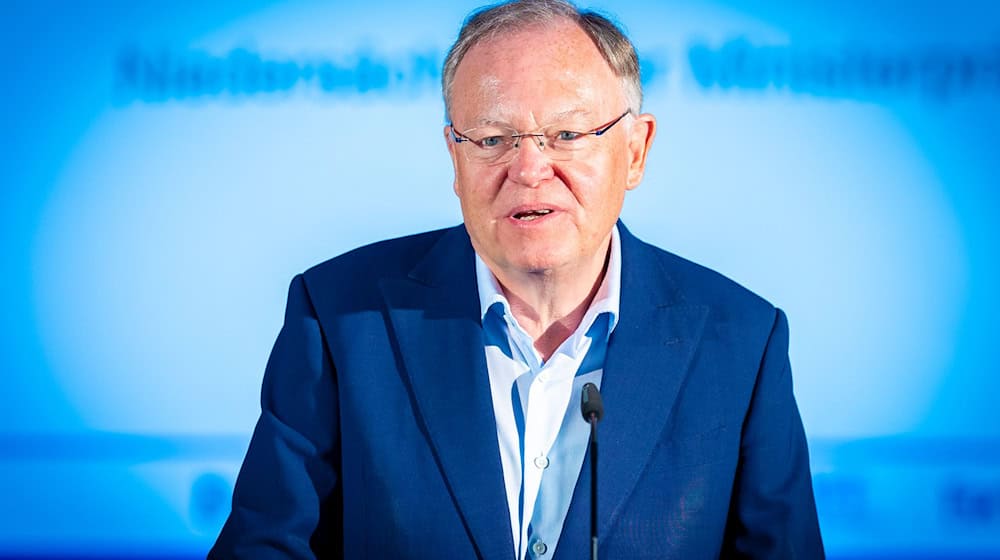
point(526, 81)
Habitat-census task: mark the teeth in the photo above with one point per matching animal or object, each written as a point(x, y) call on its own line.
point(532, 214)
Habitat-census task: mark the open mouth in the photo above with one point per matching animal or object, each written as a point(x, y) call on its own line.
point(531, 215)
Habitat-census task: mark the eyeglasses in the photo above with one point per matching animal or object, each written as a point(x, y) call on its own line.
point(495, 144)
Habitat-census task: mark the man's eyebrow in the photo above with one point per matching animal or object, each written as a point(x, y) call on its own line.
point(568, 114)
point(486, 121)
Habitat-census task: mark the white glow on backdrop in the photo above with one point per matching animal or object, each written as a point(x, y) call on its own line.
point(182, 245)
point(179, 224)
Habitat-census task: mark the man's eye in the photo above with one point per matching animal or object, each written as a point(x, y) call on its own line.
point(567, 136)
point(490, 142)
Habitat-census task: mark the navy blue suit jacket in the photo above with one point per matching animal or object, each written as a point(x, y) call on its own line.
point(377, 438)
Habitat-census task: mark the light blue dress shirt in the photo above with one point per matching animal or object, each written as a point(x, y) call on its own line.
point(541, 433)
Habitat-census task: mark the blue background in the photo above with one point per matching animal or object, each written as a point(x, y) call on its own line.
point(168, 167)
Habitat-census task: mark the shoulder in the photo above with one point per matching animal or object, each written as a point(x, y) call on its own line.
point(692, 284)
point(391, 257)
point(355, 276)
point(700, 284)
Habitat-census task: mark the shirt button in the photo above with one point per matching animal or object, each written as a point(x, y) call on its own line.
point(542, 462)
point(539, 548)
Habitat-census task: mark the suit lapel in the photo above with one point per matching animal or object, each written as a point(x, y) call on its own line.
point(436, 318)
point(648, 358)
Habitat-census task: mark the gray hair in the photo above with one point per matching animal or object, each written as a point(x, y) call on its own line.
point(492, 21)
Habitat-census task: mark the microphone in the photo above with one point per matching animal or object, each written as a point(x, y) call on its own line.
point(590, 403)
point(593, 410)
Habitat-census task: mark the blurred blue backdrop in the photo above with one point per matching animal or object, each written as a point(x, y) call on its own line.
point(167, 167)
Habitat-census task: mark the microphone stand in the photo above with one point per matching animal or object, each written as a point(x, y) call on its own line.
point(592, 409)
point(593, 485)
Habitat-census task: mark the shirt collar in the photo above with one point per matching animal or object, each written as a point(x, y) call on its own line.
point(606, 300)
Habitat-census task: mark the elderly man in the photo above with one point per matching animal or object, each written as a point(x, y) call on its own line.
point(422, 398)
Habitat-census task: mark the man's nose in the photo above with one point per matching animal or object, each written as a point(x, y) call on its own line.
point(531, 165)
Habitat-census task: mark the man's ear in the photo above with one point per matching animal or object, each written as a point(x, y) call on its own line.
point(641, 134)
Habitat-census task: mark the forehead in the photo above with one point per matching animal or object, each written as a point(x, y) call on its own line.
point(534, 74)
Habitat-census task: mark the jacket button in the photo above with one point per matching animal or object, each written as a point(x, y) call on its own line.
point(539, 548)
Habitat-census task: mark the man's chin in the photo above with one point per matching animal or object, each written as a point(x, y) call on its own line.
point(538, 264)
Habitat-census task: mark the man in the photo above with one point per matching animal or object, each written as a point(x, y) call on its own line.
point(422, 398)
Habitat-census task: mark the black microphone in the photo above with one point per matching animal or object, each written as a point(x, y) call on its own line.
point(590, 403)
point(593, 410)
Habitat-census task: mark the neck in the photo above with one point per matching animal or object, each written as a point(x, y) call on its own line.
point(550, 305)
